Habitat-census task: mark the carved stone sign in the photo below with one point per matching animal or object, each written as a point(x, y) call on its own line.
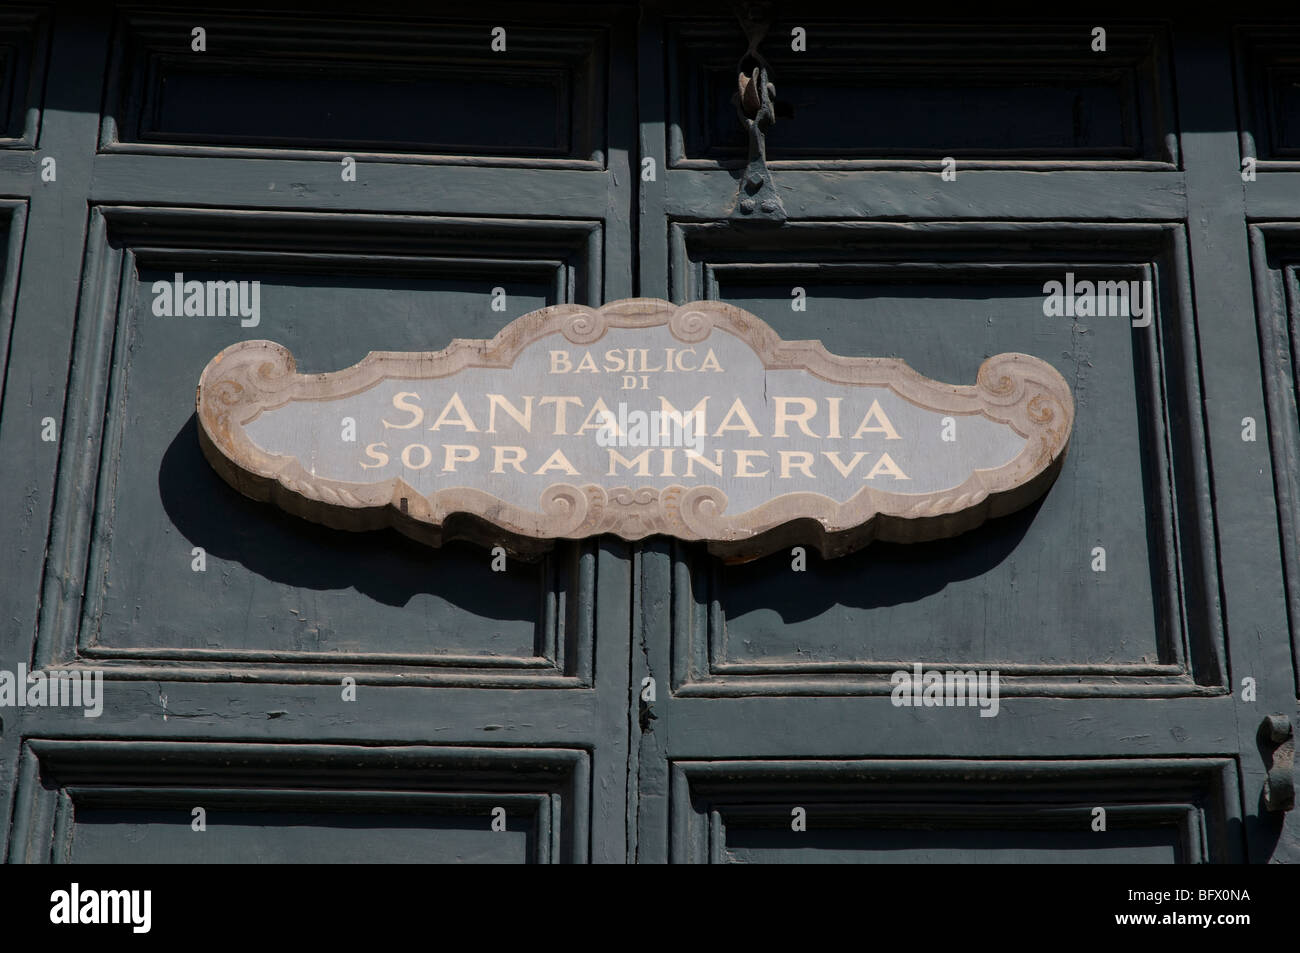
point(640, 417)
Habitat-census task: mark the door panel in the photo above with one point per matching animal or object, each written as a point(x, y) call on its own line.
point(382, 86)
point(1122, 690)
point(944, 297)
point(322, 695)
point(1276, 263)
point(137, 803)
point(914, 811)
point(333, 696)
point(883, 93)
point(375, 597)
point(24, 42)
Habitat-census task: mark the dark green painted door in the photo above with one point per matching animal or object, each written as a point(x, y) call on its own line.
point(1135, 690)
point(349, 697)
point(320, 695)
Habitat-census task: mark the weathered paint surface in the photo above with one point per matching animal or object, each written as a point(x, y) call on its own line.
point(620, 699)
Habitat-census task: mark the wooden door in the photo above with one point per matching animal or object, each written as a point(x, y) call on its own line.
point(329, 696)
point(389, 185)
point(1135, 615)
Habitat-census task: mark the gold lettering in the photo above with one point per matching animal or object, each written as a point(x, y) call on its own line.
point(499, 460)
point(561, 409)
point(462, 418)
point(454, 453)
point(882, 423)
point(746, 421)
point(788, 463)
point(524, 419)
point(406, 456)
point(415, 409)
point(845, 469)
point(692, 457)
point(601, 414)
point(742, 462)
point(378, 455)
point(783, 415)
point(641, 461)
point(887, 465)
point(557, 461)
point(834, 405)
point(695, 417)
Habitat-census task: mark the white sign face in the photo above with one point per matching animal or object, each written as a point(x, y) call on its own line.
point(637, 418)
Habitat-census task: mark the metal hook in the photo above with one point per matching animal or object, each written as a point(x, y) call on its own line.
point(755, 101)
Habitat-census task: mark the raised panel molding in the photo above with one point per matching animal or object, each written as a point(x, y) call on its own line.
point(13, 224)
point(1268, 95)
point(24, 44)
point(546, 793)
point(189, 506)
point(1275, 262)
point(887, 96)
point(1180, 651)
point(414, 90)
point(1184, 809)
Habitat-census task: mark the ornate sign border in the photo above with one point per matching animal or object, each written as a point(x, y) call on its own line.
point(251, 377)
